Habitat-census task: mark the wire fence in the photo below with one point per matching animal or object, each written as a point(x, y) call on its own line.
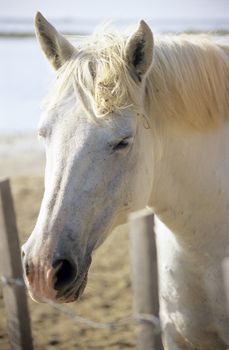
point(144, 264)
point(146, 307)
point(121, 322)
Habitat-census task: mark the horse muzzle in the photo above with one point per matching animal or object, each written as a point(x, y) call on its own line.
point(60, 282)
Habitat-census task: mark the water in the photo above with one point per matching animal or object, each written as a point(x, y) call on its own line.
point(25, 74)
point(24, 77)
point(84, 26)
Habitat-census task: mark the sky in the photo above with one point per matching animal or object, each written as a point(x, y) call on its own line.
point(106, 9)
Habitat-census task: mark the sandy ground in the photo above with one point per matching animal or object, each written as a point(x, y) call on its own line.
point(108, 295)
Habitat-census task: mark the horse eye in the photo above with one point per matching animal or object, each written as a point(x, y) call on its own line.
point(121, 144)
point(42, 132)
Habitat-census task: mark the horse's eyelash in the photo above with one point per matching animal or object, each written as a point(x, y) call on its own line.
point(120, 144)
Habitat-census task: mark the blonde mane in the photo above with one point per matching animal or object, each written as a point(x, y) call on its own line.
point(188, 80)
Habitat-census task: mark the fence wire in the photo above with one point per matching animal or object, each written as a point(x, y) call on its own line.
point(125, 320)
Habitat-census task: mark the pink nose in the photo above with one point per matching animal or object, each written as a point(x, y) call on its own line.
point(50, 282)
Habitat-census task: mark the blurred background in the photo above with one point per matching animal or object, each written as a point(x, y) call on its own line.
point(25, 78)
point(25, 74)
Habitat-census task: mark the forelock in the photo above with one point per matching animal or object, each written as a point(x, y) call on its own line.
point(97, 76)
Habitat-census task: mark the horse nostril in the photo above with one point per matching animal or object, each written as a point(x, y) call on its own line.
point(65, 274)
point(27, 270)
point(25, 264)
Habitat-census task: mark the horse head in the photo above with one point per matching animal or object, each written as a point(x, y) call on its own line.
point(98, 154)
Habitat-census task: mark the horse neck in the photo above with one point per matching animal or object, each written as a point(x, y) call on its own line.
point(190, 192)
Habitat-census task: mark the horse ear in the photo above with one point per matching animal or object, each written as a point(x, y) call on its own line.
point(56, 48)
point(139, 50)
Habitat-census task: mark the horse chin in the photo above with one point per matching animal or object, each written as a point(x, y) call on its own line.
point(38, 298)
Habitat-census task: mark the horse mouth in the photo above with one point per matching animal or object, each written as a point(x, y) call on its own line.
point(66, 296)
point(74, 293)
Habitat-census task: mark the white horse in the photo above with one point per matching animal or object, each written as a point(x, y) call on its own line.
point(132, 123)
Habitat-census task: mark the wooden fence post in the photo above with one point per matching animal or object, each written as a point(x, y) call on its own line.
point(14, 296)
point(225, 267)
point(144, 271)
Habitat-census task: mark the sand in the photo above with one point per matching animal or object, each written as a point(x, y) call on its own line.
point(108, 295)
